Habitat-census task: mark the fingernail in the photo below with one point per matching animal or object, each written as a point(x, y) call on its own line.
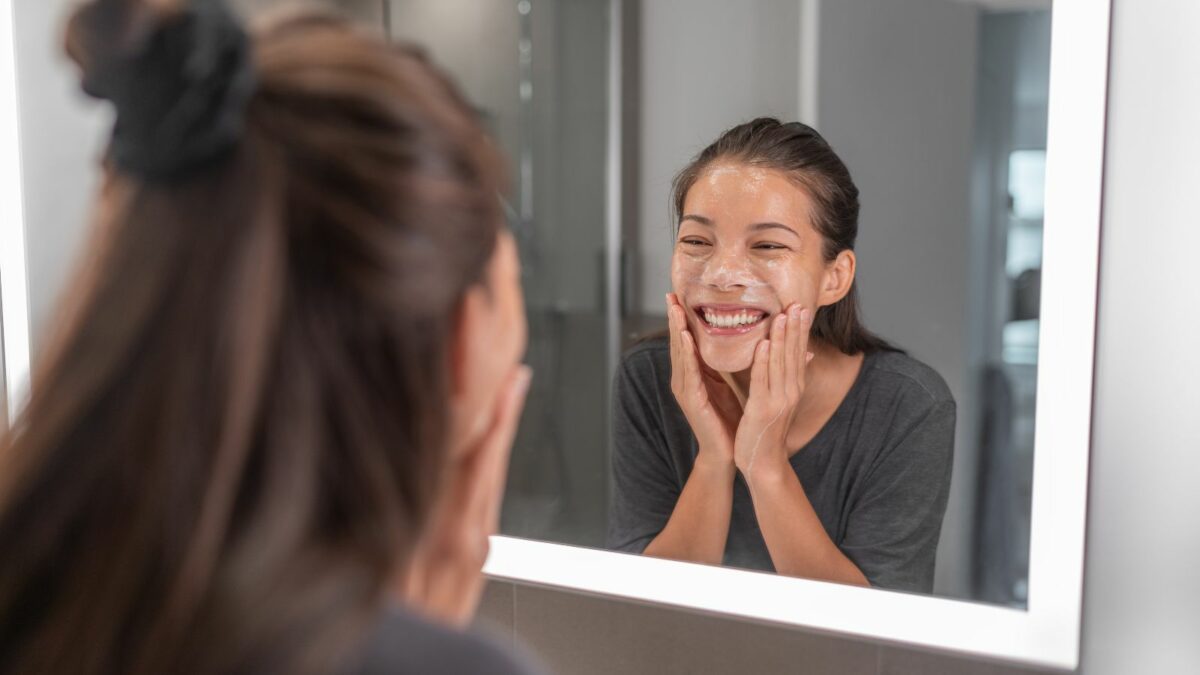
point(796, 312)
point(524, 380)
point(809, 357)
point(805, 315)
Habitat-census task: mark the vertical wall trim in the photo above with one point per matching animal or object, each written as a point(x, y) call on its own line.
point(613, 206)
point(810, 50)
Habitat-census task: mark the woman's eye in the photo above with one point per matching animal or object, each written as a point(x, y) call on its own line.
point(693, 242)
point(770, 247)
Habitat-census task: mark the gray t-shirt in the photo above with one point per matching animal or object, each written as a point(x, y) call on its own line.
point(877, 474)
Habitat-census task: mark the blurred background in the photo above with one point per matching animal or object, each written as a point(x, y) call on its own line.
point(937, 106)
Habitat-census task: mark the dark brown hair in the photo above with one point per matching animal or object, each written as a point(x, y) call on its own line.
point(800, 152)
point(234, 438)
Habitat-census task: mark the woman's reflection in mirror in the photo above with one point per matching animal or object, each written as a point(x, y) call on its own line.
point(769, 429)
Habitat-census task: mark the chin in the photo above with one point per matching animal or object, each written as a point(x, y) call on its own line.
point(728, 358)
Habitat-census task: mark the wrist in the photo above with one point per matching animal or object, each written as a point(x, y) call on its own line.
point(710, 464)
point(768, 472)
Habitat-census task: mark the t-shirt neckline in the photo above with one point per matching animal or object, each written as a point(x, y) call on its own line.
point(867, 364)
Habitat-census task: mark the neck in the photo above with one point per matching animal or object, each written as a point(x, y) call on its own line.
point(827, 379)
point(824, 356)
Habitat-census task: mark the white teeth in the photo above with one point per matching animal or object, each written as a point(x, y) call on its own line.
point(740, 318)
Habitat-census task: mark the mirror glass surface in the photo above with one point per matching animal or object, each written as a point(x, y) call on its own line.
point(938, 109)
point(537, 72)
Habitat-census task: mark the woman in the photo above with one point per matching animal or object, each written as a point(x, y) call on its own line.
point(272, 431)
point(770, 430)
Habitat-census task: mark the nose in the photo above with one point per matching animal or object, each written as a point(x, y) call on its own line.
point(727, 269)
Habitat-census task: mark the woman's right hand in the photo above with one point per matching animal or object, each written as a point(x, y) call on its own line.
point(444, 579)
point(711, 407)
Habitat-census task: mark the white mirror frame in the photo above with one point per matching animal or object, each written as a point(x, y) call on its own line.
point(1047, 633)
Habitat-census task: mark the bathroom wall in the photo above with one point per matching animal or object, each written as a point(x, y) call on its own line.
point(705, 65)
point(1140, 609)
point(61, 140)
point(896, 97)
point(62, 137)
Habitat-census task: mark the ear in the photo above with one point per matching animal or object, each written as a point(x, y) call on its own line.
point(838, 278)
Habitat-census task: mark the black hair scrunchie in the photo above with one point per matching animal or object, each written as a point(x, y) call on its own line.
point(181, 95)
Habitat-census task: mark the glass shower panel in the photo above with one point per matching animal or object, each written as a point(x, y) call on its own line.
point(537, 71)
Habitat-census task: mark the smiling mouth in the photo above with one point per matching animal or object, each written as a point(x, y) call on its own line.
point(738, 318)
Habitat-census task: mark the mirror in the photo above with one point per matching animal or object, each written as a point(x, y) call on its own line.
point(938, 110)
point(977, 157)
point(943, 111)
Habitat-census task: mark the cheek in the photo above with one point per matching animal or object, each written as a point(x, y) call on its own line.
point(791, 282)
point(685, 271)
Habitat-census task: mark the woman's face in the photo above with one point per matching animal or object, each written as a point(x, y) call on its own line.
point(746, 251)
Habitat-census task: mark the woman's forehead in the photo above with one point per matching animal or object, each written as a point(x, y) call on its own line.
point(739, 196)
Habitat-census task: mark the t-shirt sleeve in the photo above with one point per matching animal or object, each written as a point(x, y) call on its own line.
point(893, 526)
point(644, 487)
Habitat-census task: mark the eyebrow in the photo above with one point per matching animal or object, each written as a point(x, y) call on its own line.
point(770, 225)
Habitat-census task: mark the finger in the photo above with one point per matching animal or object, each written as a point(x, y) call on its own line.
point(793, 357)
point(444, 578)
point(807, 316)
point(500, 443)
point(758, 369)
point(674, 341)
point(806, 323)
point(485, 469)
point(778, 349)
point(691, 361)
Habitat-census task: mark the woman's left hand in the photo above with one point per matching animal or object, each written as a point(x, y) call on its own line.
point(776, 387)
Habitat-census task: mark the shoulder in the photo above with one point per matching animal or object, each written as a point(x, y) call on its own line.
point(647, 362)
point(912, 382)
point(650, 352)
point(402, 643)
point(913, 415)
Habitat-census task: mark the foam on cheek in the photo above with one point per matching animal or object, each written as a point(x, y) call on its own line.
point(685, 271)
point(780, 273)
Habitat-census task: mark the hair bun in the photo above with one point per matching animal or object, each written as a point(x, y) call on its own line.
point(179, 80)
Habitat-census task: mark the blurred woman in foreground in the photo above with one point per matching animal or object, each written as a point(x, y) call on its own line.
point(271, 431)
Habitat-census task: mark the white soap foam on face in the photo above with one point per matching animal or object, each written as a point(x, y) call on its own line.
point(726, 275)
